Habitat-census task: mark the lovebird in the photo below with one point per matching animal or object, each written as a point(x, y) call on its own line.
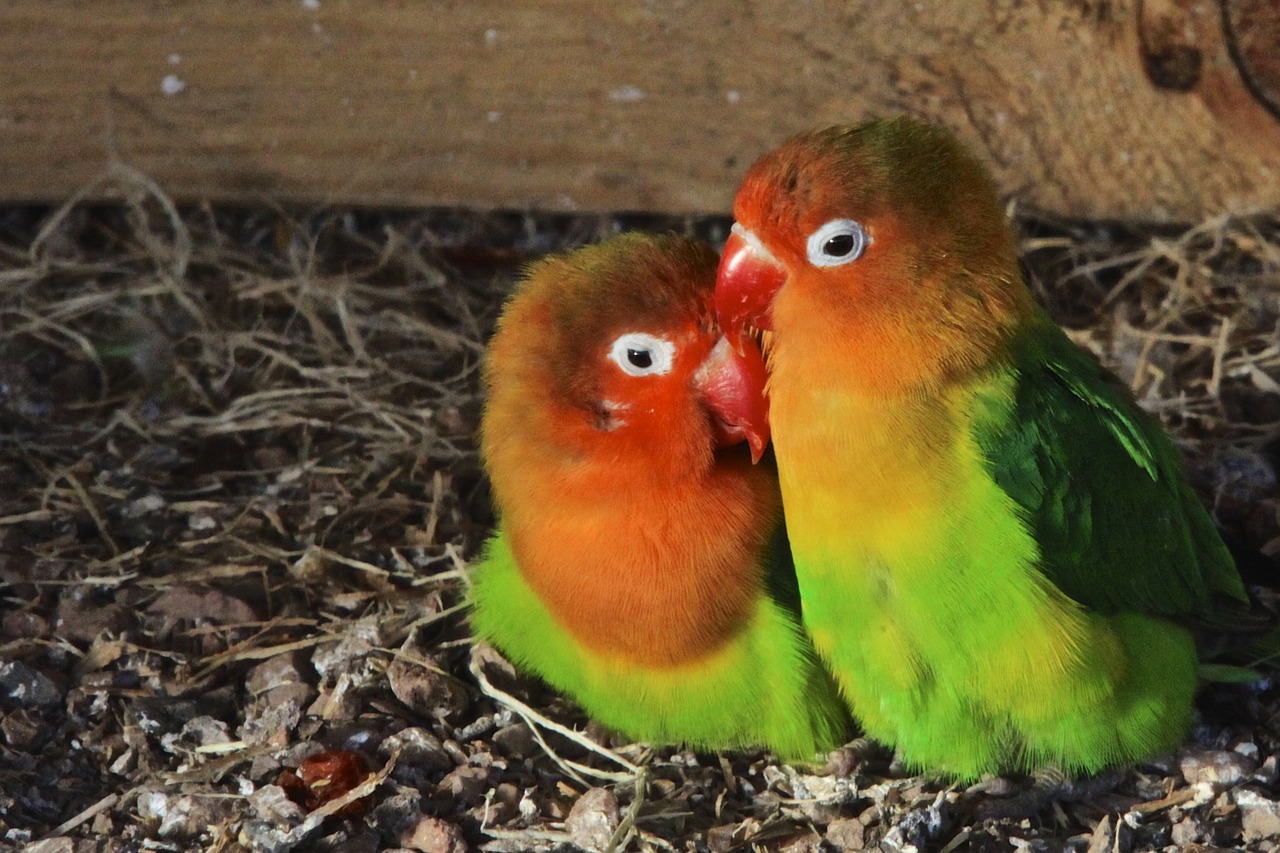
point(997, 551)
point(640, 564)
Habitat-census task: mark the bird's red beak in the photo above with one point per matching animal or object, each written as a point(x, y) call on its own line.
point(748, 280)
point(731, 384)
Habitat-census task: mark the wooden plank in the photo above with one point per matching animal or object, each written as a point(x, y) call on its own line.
point(624, 106)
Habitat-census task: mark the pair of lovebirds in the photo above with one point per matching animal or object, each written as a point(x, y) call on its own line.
point(991, 556)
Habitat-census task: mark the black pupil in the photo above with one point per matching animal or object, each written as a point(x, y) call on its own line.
point(839, 245)
point(641, 358)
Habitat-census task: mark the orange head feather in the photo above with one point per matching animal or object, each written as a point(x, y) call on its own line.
point(886, 241)
point(609, 397)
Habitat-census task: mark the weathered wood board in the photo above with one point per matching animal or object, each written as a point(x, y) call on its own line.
point(1164, 109)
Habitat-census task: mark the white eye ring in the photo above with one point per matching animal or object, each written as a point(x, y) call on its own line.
point(838, 235)
point(639, 354)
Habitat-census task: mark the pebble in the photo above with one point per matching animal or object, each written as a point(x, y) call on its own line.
point(846, 833)
point(24, 730)
point(345, 656)
point(418, 748)
point(271, 803)
point(83, 621)
point(516, 741)
point(433, 835)
point(275, 671)
point(593, 819)
point(23, 624)
point(182, 817)
point(426, 690)
point(1222, 768)
point(396, 815)
point(1259, 816)
point(24, 687)
point(465, 785)
point(206, 731)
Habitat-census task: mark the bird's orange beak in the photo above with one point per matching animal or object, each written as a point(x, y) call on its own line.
point(731, 385)
point(748, 280)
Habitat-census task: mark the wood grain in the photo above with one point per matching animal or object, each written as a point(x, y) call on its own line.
point(1111, 109)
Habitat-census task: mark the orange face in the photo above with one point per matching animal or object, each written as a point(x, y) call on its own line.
point(668, 394)
point(606, 358)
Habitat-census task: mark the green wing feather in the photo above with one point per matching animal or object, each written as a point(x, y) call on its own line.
point(1101, 486)
point(765, 687)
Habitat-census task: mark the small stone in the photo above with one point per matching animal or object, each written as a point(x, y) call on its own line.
point(264, 836)
point(426, 690)
point(24, 687)
point(809, 842)
point(1259, 816)
point(24, 625)
point(593, 819)
point(395, 816)
point(843, 762)
point(83, 621)
point(720, 838)
point(846, 833)
point(271, 803)
point(271, 718)
point(23, 730)
point(201, 521)
point(1222, 768)
point(516, 741)
point(182, 817)
point(201, 605)
point(502, 806)
point(351, 654)
point(433, 835)
point(418, 748)
point(465, 785)
point(52, 845)
point(144, 505)
point(300, 752)
point(205, 731)
point(1184, 833)
point(1268, 772)
point(275, 671)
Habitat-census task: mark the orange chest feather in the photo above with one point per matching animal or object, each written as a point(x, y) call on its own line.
point(658, 577)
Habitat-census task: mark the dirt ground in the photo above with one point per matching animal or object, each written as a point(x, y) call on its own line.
point(239, 490)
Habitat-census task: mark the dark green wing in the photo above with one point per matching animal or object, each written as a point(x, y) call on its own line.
point(1101, 485)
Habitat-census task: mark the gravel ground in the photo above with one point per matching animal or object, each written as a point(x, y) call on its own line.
point(238, 494)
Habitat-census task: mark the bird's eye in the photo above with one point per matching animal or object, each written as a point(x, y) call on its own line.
point(838, 242)
point(639, 354)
